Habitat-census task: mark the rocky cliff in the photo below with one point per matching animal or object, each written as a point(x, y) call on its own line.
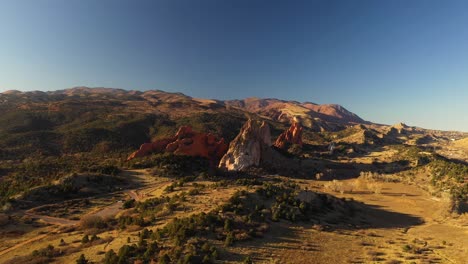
point(252, 147)
point(186, 142)
point(292, 136)
point(246, 149)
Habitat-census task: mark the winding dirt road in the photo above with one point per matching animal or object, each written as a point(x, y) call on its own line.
point(16, 246)
point(107, 211)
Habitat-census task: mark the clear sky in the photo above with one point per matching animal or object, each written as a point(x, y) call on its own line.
point(387, 61)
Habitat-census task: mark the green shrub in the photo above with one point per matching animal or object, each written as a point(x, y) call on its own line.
point(110, 257)
point(85, 239)
point(92, 221)
point(82, 260)
point(229, 240)
point(406, 248)
point(165, 259)
point(248, 260)
point(128, 204)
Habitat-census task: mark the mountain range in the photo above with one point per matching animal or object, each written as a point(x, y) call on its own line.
point(315, 116)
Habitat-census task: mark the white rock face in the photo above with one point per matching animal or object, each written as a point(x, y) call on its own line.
point(246, 149)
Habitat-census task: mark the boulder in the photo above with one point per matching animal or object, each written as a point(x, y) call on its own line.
point(292, 136)
point(186, 142)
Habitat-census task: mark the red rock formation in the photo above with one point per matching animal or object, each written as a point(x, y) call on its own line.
point(186, 142)
point(291, 136)
point(155, 147)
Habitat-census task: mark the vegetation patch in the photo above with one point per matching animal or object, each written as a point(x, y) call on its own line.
point(246, 216)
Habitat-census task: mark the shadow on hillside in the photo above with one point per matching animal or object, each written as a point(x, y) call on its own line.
point(373, 216)
point(279, 237)
point(329, 170)
point(453, 160)
point(337, 170)
point(341, 150)
point(132, 179)
point(329, 166)
point(80, 186)
point(344, 214)
point(285, 235)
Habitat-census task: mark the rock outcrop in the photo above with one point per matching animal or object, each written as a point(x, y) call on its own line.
point(252, 147)
point(186, 142)
point(246, 149)
point(157, 146)
point(402, 128)
point(291, 136)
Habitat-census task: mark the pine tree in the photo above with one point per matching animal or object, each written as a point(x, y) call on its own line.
point(110, 257)
point(229, 240)
point(85, 239)
point(82, 260)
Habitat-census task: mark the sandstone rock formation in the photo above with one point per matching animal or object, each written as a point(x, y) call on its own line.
point(291, 136)
point(252, 147)
point(186, 142)
point(246, 149)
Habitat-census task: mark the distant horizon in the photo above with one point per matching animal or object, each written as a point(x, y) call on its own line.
point(158, 89)
point(240, 98)
point(387, 61)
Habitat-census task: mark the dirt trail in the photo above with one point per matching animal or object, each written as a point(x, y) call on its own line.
point(109, 210)
point(31, 240)
point(134, 195)
point(53, 220)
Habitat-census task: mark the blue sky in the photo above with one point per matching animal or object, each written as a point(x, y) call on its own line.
point(387, 61)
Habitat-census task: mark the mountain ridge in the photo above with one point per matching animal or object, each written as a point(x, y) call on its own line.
point(275, 109)
point(317, 117)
